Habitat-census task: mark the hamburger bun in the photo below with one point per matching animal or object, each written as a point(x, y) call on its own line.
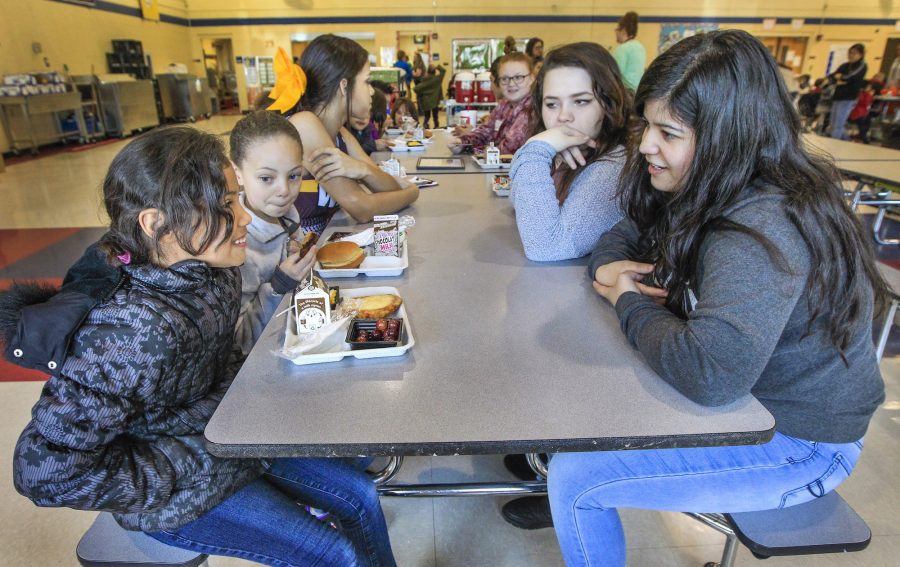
point(302, 245)
point(378, 306)
point(340, 255)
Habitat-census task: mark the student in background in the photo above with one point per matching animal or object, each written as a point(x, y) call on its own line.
point(630, 54)
point(428, 92)
point(331, 84)
point(368, 129)
point(849, 80)
point(738, 270)
point(508, 124)
point(404, 112)
point(535, 49)
point(402, 63)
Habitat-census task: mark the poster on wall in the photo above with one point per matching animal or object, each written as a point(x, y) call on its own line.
point(670, 34)
point(471, 54)
point(150, 10)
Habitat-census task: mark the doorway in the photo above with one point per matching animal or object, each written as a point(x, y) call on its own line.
point(788, 51)
point(218, 60)
point(890, 53)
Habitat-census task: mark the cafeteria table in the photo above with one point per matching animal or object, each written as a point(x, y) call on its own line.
point(439, 147)
point(510, 356)
point(842, 150)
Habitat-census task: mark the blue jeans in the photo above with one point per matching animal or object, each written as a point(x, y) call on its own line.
point(586, 488)
point(263, 521)
point(840, 112)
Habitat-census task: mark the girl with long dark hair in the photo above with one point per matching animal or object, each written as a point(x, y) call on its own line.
point(331, 85)
point(564, 178)
point(738, 270)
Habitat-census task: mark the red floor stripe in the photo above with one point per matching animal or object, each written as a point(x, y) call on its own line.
point(9, 372)
point(18, 244)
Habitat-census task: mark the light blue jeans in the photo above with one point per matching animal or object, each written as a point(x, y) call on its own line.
point(264, 522)
point(586, 488)
point(840, 112)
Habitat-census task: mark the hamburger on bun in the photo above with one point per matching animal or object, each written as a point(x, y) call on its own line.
point(340, 255)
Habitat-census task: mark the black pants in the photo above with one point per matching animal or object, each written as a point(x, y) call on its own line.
point(434, 114)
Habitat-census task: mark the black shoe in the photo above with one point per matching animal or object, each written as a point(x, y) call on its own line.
point(528, 513)
point(519, 467)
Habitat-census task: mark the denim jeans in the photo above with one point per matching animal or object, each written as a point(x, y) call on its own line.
point(263, 521)
point(586, 488)
point(840, 112)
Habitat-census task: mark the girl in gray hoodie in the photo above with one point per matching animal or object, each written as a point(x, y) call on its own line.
point(738, 269)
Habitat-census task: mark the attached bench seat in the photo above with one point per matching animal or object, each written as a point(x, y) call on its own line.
point(823, 525)
point(107, 544)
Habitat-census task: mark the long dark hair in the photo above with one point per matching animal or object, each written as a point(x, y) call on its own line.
point(727, 87)
point(609, 90)
point(327, 61)
point(177, 170)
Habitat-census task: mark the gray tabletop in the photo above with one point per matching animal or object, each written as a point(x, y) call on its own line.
point(510, 355)
point(841, 150)
point(437, 148)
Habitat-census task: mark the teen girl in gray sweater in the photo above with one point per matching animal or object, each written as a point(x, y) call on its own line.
point(738, 270)
point(564, 178)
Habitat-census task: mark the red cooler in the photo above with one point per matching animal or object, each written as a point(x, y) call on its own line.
point(465, 87)
point(483, 90)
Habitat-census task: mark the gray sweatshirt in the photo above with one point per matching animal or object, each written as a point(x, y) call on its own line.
point(552, 232)
point(265, 251)
point(743, 333)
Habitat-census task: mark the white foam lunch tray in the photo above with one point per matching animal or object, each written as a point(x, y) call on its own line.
point(483, 165)
point(335, 347)
point(372, 266)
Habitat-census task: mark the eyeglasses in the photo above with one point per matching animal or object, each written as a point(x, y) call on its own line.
point(515, 79)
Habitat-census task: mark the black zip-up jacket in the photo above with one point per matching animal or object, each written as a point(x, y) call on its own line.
point(141, 356)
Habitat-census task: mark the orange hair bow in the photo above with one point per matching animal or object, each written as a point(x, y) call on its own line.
point(290, 83)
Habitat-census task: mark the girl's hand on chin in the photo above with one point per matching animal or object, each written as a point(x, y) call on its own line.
point(328, 163)
point(567, 142)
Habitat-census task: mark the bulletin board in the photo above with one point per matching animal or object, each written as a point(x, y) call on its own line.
point(670, 34)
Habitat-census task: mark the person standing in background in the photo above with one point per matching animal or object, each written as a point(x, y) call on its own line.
point(403, 64)
point(850, 78)
point(428, 93)
point(630, 54)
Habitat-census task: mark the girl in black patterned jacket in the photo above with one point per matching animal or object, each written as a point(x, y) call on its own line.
point(139, 345)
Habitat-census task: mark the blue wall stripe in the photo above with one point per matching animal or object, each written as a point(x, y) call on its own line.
point(211, 22)
point(471, 18)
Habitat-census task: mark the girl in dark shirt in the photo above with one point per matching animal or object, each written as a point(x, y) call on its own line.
point(850, 78)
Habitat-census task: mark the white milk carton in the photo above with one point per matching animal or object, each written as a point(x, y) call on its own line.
point(312, 307)
point(492, 155)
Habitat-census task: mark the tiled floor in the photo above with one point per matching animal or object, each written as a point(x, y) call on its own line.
point(60, 195)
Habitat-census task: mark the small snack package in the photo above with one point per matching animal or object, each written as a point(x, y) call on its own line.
point(386, 236)
point(312, 305)
point(500, 185)
point(391, 167)
point(418, 133)
point(492, 155)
